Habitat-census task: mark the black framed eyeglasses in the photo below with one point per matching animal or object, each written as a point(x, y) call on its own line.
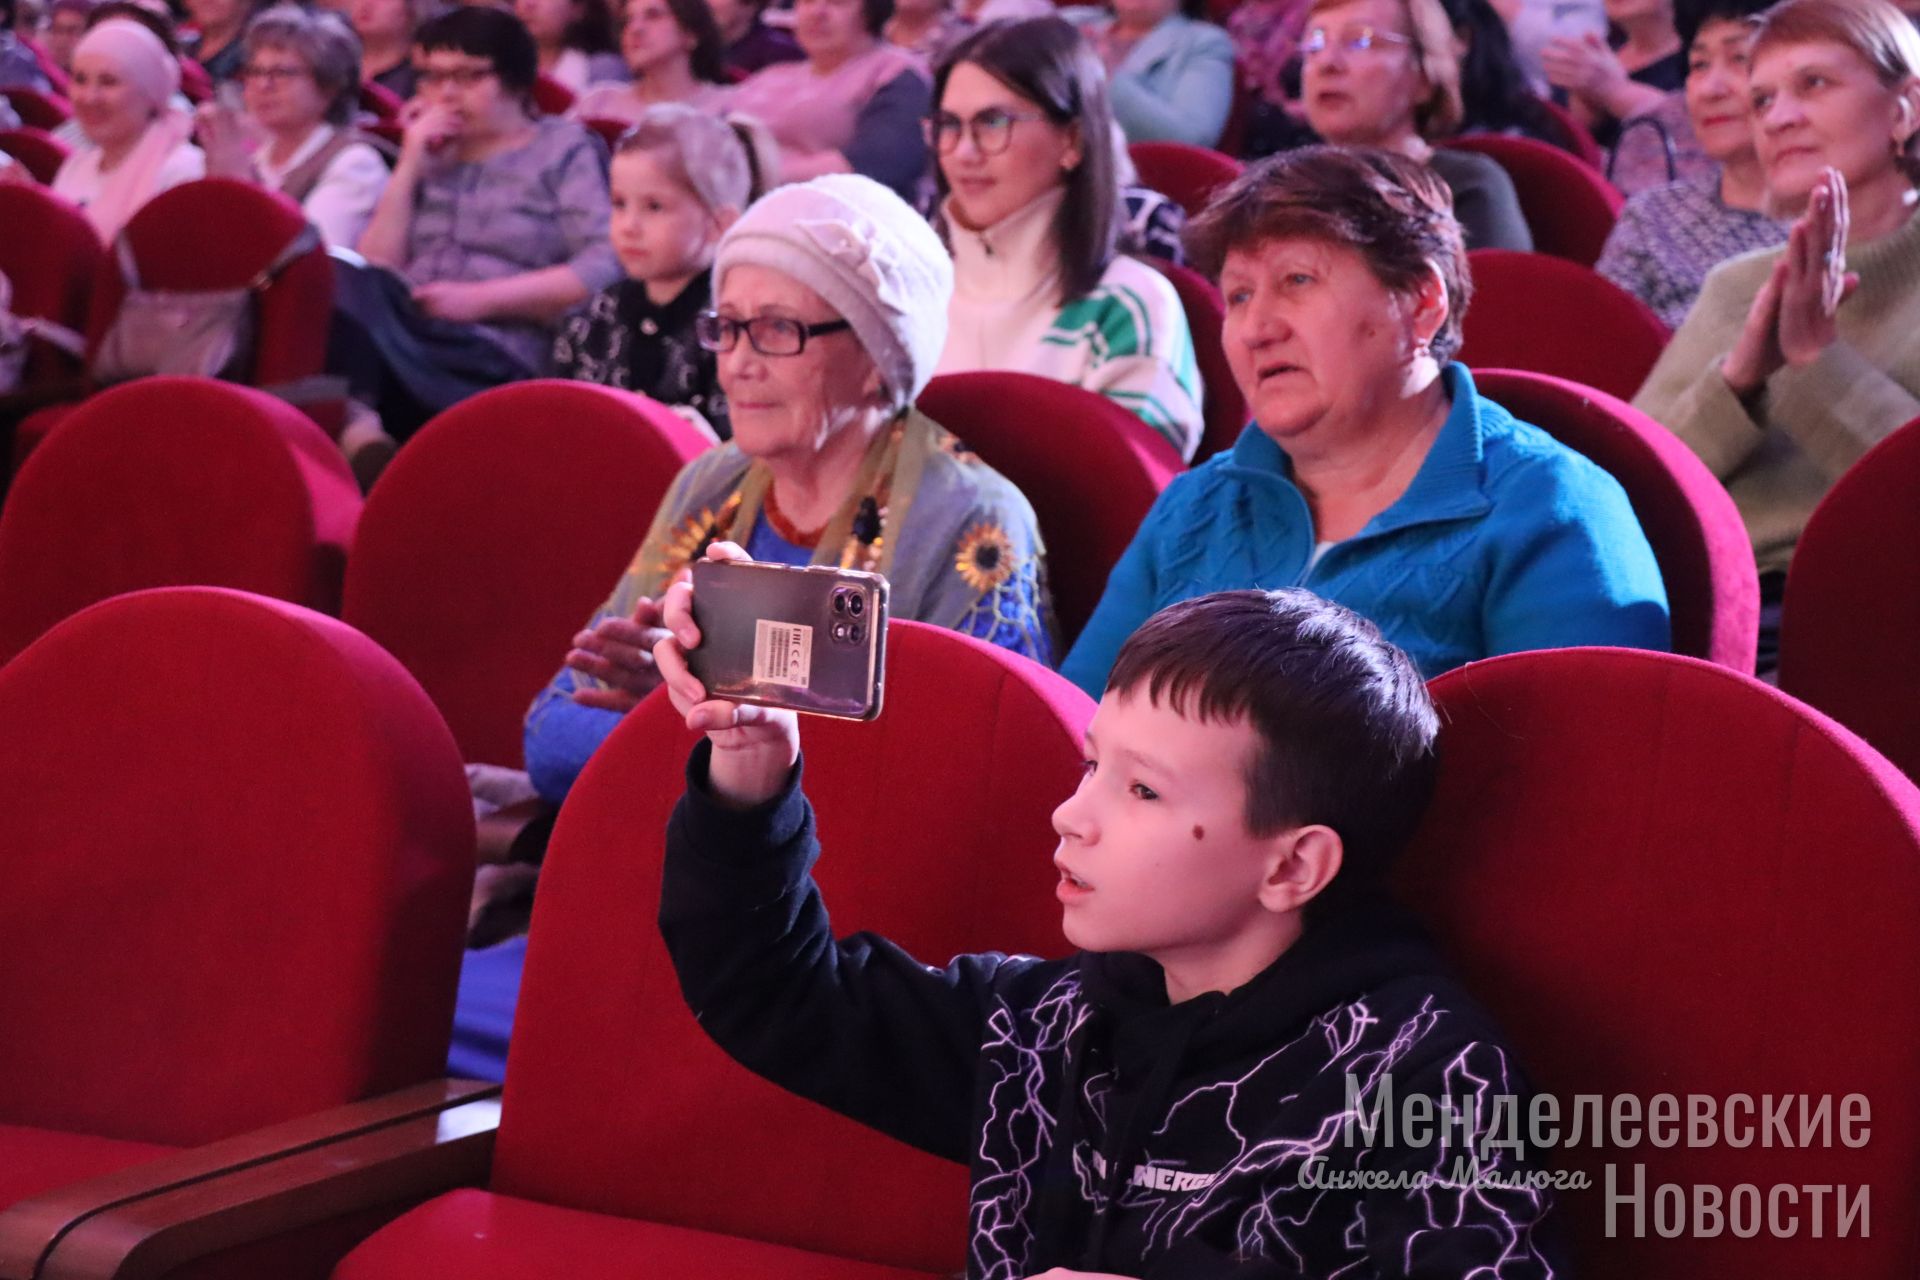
point(1352, 40)
point(769, 335)
point(272, 75)
point(459, 77)
point(992, 129)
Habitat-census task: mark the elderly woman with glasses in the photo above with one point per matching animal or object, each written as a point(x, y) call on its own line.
point(302, 78)
point(1386, 73)
point(829, 315)
point(1032, 210)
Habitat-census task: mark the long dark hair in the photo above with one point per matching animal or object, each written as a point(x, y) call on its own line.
point(708, 59)
point(1050, 64)
point(1493, 88)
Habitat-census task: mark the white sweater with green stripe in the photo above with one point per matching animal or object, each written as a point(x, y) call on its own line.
point(1127, 339)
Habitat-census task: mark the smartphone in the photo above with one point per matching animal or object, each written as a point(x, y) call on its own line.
point(811, 638)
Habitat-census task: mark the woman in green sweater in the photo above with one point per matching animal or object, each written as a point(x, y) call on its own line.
point(1795, 361)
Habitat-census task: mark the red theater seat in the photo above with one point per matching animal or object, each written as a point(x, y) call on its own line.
point(384, 104)
point(1664, 878)
point(610, 130)
point(1224, 408)
point(1186, 174)
point(173, 481)
point(1568, 205)
point(38, 110)
point(237, 893)
point(935, 818)
point(1548, 315)
point(219, 233)
point(1574, 137)
point(49, 254)
point(551, 97)
point(1090, 468)
point(497, 532)
point(1705, 555)
point(39, 152)
point(1848, 630)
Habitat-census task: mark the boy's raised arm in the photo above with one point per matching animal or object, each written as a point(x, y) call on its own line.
point(857, 1025)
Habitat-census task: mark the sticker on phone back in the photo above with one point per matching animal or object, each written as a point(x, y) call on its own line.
point(782, 653)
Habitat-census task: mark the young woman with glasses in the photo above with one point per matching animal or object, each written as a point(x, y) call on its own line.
point(1386, 73)
point(1031, 204)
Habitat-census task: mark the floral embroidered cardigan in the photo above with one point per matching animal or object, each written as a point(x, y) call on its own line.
point(958, 544)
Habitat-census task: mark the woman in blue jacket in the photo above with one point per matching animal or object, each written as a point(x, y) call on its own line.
point(1169, 74)
point(1373, 473)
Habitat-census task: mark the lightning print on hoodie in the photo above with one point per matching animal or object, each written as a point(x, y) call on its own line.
point(1105, 1129)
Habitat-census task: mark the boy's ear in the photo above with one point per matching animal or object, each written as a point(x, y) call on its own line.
point(1302, 862)
point(724, 217)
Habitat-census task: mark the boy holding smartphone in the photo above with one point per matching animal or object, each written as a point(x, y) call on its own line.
point(1190, 1094)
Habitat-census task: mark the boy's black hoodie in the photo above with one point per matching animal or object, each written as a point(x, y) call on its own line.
point(1105, 1129)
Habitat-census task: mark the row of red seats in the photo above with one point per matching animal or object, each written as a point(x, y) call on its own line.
point(487, 539)
point(1532, 311)
point(264, 924)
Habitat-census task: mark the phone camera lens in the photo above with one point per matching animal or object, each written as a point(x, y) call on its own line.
point(856, 633)
point(840, 604)
point(856, 604)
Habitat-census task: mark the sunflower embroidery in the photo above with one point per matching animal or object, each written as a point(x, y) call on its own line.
point(689, 542)
point(985, 558)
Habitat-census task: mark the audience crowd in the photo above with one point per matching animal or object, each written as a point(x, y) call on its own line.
point(783, 220)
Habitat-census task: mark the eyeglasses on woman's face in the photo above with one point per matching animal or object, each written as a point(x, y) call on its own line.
point(460, 77)
point(769, 335)
point(1351, 40)
point(991, 129)
point(273, 75)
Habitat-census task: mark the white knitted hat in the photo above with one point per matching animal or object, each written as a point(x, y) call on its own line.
point(863, 249)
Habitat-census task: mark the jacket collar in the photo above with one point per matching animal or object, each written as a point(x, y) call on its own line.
point(1013, 258)
point(1449, 484)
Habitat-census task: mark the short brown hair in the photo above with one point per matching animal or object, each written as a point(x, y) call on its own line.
point(321, 39)
point(1883, 36)
point(1346, 730)
point(1396, 213)
point(1440, 113)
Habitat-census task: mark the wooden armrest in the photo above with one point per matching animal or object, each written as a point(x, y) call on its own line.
point(144, 1221)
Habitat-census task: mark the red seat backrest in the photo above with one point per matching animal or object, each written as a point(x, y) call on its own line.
point(1705, 554)
point(1547, 315)
point(238, 892)
point(551, 97)
point(380, 100)
point(37, 110)
point(1186, 174)
point(39, 152)
point(1852, 612)
point(1568, 205)
point(935, 820)
point(219, 233)
point(1666, 878)
point(1225, 409)
point(173, 482)
point(1574, 137)
point(498, 531)
point(50, 255)
point(1090, 468)
point(609, 129)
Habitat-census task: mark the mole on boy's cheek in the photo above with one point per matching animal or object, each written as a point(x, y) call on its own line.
point(1199, 832)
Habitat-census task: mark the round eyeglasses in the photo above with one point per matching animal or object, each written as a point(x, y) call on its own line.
point(991, 130)
point(1351, 40)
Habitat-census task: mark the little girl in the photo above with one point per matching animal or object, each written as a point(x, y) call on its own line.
point(680, 177)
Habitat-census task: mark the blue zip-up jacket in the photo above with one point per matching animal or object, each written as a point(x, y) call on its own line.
point(1506, 540)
